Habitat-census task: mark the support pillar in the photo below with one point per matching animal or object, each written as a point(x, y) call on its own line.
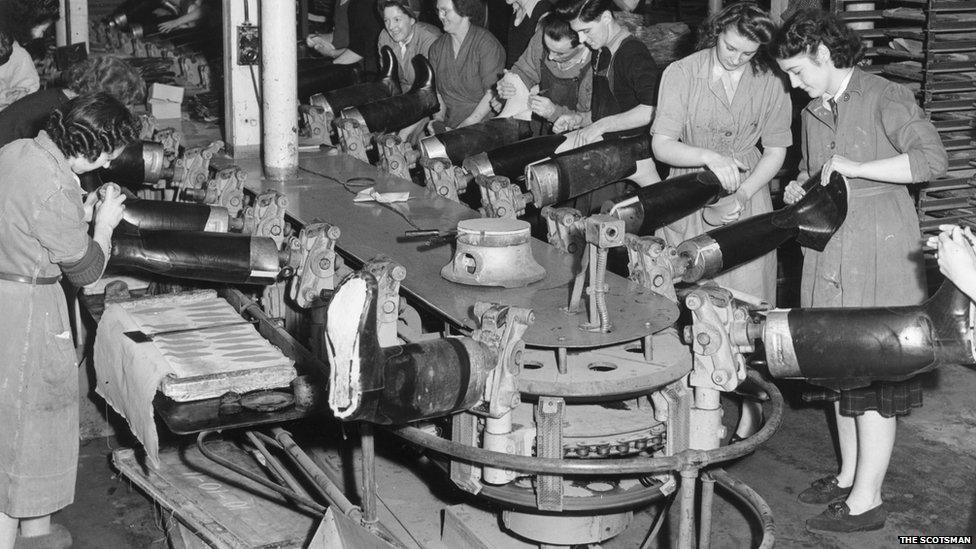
point(242, 111)
point(279, 96)
point(72, 26)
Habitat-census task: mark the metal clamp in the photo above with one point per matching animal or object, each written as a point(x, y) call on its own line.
point(564, 231)
point(316, 264)
point(266, 217)
point(651, 264)
point(317, 124)
point(192, 168)
point(601, 232)
point(502, 327)
point(719, 336)
point(500, 198)
point(353, 138)
point(444, 180)
point(388, 274)
point(396, 157)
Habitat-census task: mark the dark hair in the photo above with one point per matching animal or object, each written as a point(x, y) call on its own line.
point(747, 19)
point(6, 46)
point(107, 74)
point(472, 9)
point(92, 124)
point(807, 29)
point(402, 5)
point(556, 27)
point(19, 17)
point(584, 10)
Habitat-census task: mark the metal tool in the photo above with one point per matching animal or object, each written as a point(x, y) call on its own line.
point(142, 337)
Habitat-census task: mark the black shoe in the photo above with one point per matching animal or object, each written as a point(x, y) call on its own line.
point(838, 518)
point(823, 490)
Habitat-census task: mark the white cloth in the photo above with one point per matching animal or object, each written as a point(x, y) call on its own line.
point(18, 77)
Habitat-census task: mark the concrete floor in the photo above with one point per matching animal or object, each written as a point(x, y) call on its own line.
point(930, 488)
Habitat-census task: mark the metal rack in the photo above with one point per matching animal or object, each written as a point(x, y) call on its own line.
point(929, 45)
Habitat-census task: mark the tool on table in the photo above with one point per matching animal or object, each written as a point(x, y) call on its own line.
point(142, 337)
point(435, 237)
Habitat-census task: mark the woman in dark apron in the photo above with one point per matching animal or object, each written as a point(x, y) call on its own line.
point(559, 65)
point(625, 82)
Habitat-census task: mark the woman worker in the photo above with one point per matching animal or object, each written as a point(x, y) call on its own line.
point(27, 116)
point(45, 225)
point(559, 65)
point(467, 60)
point(715, 106)
point(625, 78)
point(873, 132)
point(407, 37)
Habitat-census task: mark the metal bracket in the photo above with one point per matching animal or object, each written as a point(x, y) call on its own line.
point(549, 444)
point(718, 361)
point(226, 189)
point(464, 430)
point(500, 198)
point(171, 139)
point(353, 138)
point(601, 232)
point(502, 327)
point(317, 124)
point(396, 157)
point(315, 268)
point(388, 274)
point(443, 179)
point(192, 168)
point(267, 216)
point(650, 264)
point(148, 127)
point(564, 231)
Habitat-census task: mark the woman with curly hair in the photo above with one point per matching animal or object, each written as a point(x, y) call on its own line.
point(45, 224)
point(871, 131)
point(28, 115)
point(714, 108)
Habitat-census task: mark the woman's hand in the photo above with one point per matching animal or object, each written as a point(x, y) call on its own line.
point(90, 200)
point(321, 44)
point(173, 24)
point(727, 169)
point(542, 106)
point(567, 122)
point(109, 209)
point(956, 256)
point(841, 165)
point(506, 90)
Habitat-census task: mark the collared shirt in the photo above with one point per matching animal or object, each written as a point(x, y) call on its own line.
point(840, 91)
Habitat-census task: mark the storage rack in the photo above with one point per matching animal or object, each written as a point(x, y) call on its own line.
point(930, 45)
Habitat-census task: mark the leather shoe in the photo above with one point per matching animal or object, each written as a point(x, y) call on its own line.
point(838, 518)
point(823, 490)
point(58, 538)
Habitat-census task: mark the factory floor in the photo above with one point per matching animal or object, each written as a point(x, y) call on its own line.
point(930, 488)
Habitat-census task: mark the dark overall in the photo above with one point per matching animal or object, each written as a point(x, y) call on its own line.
point(561, 91)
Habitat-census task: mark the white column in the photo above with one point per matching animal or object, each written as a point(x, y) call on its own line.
point(279, 101)
point(242, 111)
point(74, 19)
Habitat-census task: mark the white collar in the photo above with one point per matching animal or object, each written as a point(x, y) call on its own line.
point(840, 91)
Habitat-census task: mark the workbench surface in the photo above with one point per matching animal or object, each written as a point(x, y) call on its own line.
point(324, 193)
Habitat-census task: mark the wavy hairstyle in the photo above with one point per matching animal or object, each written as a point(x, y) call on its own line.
point(749, 20)
point(406, 6)
point(584, 10)
point(92, 124)
point(108, 74)
point(807, 29)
